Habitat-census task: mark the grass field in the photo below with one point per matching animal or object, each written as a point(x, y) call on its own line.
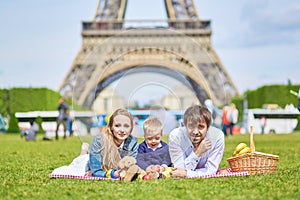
point(25, 167)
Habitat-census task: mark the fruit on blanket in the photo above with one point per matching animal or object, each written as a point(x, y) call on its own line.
point(166, 173)
point(234, 153)
point(240, 146)
point(244, 151)
point(241, 149)
point(147, 177)
point(140, 176)
point(223, 171)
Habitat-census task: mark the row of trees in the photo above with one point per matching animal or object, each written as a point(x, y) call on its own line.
point(43, 99)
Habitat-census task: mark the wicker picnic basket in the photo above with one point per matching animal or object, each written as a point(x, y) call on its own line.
point(254, 162)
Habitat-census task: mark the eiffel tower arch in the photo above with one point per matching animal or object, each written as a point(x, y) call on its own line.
point(179, 46)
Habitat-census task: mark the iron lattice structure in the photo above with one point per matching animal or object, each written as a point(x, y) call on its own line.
point(179, 46)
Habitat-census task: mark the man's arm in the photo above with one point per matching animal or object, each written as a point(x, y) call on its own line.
point(213, 161)
point(176, 152)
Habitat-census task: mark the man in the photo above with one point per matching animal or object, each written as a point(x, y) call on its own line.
point(62, 118)
point(197, 148)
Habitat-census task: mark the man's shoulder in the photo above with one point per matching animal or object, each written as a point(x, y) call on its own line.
point(178, 131)
point(214, 132)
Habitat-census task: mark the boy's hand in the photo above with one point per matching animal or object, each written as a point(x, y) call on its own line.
point(117, 173)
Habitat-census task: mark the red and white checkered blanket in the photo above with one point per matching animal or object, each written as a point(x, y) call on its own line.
point(228, 173)
point(217, 175)
point(79, 177)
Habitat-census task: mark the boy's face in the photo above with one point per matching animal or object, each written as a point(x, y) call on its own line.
point(153, 141)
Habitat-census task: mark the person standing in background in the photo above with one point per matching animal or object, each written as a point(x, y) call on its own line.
point(233, 117)
point(263, 122)
point(230, 118)
point(70, 121)
point(225, 120)
point(62, 118)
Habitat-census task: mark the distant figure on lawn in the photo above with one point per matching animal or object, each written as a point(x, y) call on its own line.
point(229, 118)
point(63, 116)
point(197, 148)
point(263, 123)
point(30, 133)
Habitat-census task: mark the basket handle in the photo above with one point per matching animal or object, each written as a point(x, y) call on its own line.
point(252, 145)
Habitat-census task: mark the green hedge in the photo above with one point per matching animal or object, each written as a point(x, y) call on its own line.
point(269, 94)
point(24, 100)
point(272, 94)
point(4, 108)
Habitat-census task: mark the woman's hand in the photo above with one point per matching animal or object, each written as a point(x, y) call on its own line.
point(88, 174)
point(178, 173)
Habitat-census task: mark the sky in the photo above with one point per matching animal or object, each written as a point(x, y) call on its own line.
point(258, 41)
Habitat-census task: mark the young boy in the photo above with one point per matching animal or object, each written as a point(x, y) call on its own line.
point(153, 151)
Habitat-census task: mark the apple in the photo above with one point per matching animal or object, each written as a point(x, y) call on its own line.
point(223, 171)
point(146, 177)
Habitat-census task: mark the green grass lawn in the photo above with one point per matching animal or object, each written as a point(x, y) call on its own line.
point(25, 167)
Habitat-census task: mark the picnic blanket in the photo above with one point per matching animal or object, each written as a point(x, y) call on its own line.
point(217, 175)
point(228, 174)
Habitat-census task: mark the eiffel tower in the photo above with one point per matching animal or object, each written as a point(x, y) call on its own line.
point(179, 46)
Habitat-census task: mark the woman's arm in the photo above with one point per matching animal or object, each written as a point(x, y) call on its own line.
point(95, 161)
point(133, 147)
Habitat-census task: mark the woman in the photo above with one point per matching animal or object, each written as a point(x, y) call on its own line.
point(108, 148)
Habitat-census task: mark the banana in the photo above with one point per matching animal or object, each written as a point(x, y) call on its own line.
point(244, 151)
point(234, 153)
point(239, 147)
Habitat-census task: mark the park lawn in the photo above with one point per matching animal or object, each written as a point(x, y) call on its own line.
point(25, 167)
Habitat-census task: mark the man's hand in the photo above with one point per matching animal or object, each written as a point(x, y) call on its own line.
point(178, 173)
point(204, 146)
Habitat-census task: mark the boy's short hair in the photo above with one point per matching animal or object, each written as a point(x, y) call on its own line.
point(152, 126)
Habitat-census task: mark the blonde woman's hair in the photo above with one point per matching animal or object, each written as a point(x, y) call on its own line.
point(152, 126)
point(111, 156)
